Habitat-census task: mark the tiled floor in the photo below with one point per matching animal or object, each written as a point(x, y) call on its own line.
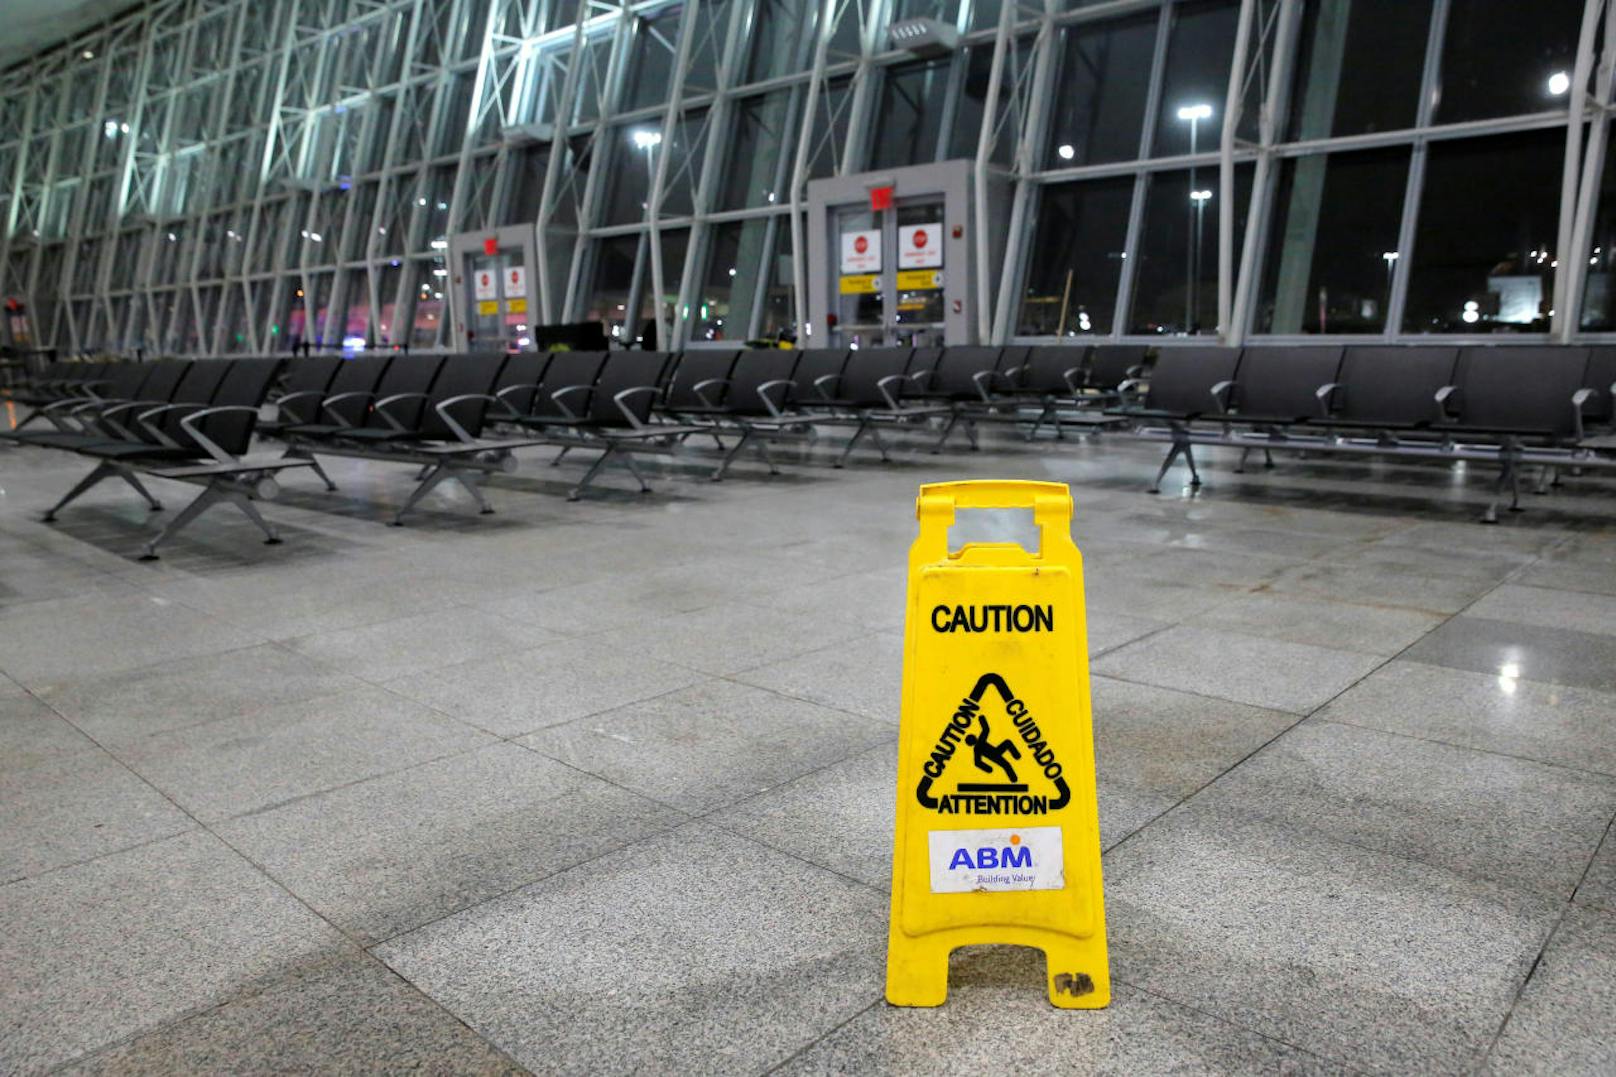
point(607, 787)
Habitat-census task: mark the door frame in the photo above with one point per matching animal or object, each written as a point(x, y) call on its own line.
point(473, 244)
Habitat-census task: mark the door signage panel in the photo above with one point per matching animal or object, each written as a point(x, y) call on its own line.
point(861, 252)
point(516, 282)
point(861, 284)
point(485, 284)
point(920, 246)
point(919, 280)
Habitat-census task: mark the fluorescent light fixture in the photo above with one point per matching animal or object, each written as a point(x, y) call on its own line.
point(1200, 196)
point(644, 139)
point(1195, 112)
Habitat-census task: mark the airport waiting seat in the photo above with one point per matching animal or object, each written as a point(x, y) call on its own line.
point(200, 435)
point(698, 383)
point(758, 404)
point(1599, 406)
point(76, 419)
point(1391, 388)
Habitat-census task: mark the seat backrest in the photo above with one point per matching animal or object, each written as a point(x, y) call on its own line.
point(757, 368)
point(1283, 381)
point(865, 369)
point(165, 377)
point(627, 370)
point(472, 375)
point(1505, 387)
point(1112, 364)
point(1599, 377)
point(244, 383)
point(1393, 386)
point(1183, 378)
point(124, 382)
point(54, 371)
point(816, 363)
point(1044, 369)
point(196, 390)
point(957, 369)
point(519, 379)
point(406, 374)
point(696, 366)
point(309, 374)
point(568, 368)
point(361, 376)
point(87, 375)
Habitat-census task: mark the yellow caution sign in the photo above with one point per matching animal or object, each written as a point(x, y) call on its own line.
point(919, 280)
point(488, 306)
point(516, 306)
point(861, 284)
point(998, 829)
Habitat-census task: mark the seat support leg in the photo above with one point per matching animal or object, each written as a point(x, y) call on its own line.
point(102, 471)
point(880, 444)
point(1508, 475)
point(560, 456)
point(729, 457)
point(847, 450)
point(472, 480)
point(140, 488)
point(437, 475)
point(762, 445)
point(948, 428)
point(250, 510)
point(1240, 467)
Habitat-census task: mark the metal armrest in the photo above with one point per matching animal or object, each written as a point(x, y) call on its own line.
point(1129, 390)
point(565, 390)
point(981, 378)
point(325, 405)
point(449, 421)
point(1070, 378)
point(1325, 394)
point(144, 419)
point(700, 389)
point(776, 410)
point(381, 406)
point(1443, 395)
point(820, 383)
point(206, 442)
point(499, 396)
point(1220, 394)
point(619, 398)
point(884, 385)
point(1578, 399)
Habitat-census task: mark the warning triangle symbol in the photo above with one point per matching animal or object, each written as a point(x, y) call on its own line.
point(1005, 754)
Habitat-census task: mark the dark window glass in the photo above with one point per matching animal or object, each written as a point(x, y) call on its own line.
point(1499, 59)
point(910, 115)
point(780, 41)
point(945, 11)
point(829, 140)
point(1483, 250)
point(1327, 268)
point(1082, 229)
point(779, 294)
point(1176, 287)
point(651, 69)
point(1197, 77)
point(614, 276)
point(731, 282)
point(1359, 66)
point(972, 103)
point(686, 156)
point(675, 241)
point(1104, 80)
point(629, 185)
point(752, 171)
point(1599, 290)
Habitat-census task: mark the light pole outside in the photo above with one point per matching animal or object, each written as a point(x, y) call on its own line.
point(1194, 114)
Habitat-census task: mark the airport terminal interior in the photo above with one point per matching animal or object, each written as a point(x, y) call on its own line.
point(499, 497)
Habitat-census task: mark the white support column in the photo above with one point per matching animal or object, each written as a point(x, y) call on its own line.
point(1567, 274)
point(1233, 104)
point(653, 206)
point(986, 138)
point(830, 12)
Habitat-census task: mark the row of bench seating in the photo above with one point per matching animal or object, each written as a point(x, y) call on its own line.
point(187, 420)
point(1511, 406)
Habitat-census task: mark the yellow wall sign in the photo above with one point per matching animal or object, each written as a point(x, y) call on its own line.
point(998, 830)
point(919, 280)
point(861, 283)
point(516, 306)
point(488, 306)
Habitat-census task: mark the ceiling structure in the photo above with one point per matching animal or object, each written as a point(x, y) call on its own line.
point(34, 25)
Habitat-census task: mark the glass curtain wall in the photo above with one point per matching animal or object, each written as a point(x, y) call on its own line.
point(212, 176)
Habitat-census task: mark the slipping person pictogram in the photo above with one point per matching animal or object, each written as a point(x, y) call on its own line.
point(983, 748)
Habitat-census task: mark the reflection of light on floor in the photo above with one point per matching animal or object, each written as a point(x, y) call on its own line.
point(11, 415)
point(1508, 674)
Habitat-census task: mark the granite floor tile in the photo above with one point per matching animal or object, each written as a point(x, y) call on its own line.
point(1343, 625)
point(46, 643)
point(1552, 724)
point(1548, 608)
point(238, 765)
point(1171, 743)
point(343, 1012)
point(1107, 631)
point(863, 675)
point(703, 747)
point(122, 708)
point(1559, 656)
point(517, 693)
point(1598, 887)
point(1490, 816)
point(874, 601)
point(1166, 598)
point(1378, 962)
point(729, 639)
point(1380, 585)
point(998, 1021)
point(391, 649)
point(76, 806)
point(380, 857)
point(696, 951)
point(31, 732)
point(1276, 674)
point(173, 928)
point(1569, 576)
point(1562, 1023)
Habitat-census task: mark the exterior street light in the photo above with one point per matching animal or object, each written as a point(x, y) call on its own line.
point(1194, 114)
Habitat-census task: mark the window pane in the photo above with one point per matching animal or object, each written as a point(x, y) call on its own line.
point(1359, 66)
point(910, 114)
point(1488, 219)
point(650, 69)
point(614, 276)
point(1599, 290)
point(780, 42)
point(1176, 290)
point(1336, 219)
point(830, 129)
point(1199, 53)
point(973, 101)
point(752, 169)
point(675, 242)
point(1104, 79)
point(1072, 280)
point(1498, 59)
point(779, 297)
point(629, 184)
point(725, 304)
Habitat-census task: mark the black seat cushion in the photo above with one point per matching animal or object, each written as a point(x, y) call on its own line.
point(1181, 383)
point(1280, 384)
